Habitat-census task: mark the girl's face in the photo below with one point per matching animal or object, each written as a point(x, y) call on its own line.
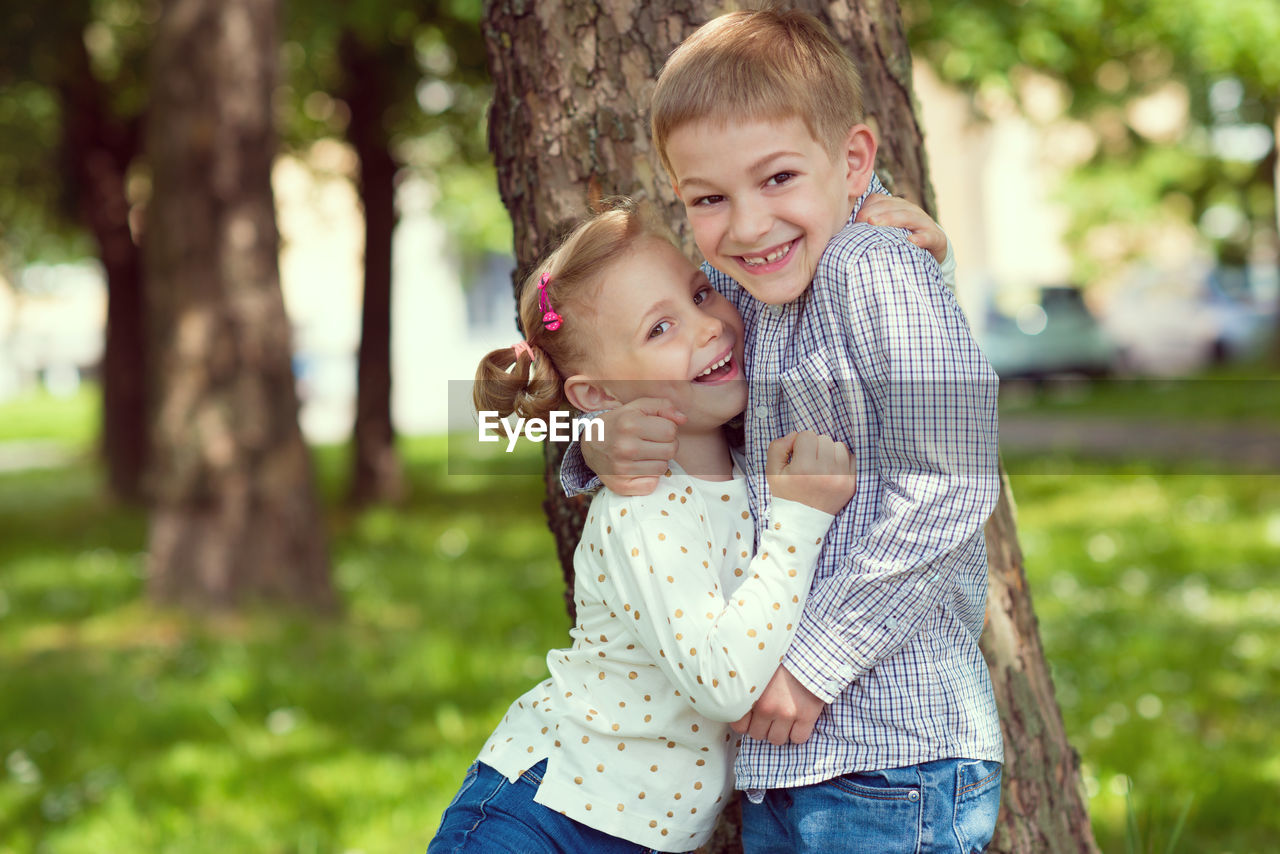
point(661, 330)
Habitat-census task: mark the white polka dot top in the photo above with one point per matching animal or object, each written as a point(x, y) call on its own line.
point(679, 630)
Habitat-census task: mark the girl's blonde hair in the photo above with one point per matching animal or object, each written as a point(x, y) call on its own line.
point(507, 381)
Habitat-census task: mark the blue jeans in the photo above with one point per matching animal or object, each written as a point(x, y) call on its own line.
point(491, 815)
point(945, 806)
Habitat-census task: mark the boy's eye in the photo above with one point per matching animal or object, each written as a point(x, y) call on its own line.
point(659, 328)
point(781, 178)
point(703, 294)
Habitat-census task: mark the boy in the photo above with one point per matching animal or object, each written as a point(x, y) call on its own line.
point(879, 732)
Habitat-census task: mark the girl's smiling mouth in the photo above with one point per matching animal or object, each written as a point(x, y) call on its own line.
point(723, 368)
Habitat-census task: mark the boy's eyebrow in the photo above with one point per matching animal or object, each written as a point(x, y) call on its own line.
point(757, 166)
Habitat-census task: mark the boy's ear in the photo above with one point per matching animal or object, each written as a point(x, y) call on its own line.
point(587, 394)
point(860, 160)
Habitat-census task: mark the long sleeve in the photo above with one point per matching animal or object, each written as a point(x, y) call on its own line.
point(934, 399)
point(576, 477)
point(718, 649)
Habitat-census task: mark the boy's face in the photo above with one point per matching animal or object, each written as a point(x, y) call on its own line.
point(765, 197)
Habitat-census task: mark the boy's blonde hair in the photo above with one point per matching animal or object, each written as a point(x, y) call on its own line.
point(508, 381)
point(759, 65)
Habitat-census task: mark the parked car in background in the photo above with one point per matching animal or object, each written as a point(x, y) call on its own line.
point(1053, 333)
point(1168, 325)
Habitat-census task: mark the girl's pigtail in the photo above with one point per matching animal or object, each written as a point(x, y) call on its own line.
point(508, 382)
point(498, 386)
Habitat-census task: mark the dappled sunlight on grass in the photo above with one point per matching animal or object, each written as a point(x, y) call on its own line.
point(1159, 606)
point(128, 728)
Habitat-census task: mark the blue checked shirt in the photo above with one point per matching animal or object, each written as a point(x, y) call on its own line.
point(877, 354)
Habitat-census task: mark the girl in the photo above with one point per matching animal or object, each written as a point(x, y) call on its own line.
point(626, 747)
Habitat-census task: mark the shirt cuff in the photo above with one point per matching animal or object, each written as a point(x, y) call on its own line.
point(948, 265)
point(576, 477)
point(809, 662)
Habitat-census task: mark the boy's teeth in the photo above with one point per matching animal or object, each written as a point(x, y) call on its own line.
point(767, 259)
point(719, 364)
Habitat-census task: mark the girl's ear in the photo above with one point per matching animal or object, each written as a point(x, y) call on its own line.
point(587, 394)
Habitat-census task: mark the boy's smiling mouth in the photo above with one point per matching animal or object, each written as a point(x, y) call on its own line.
point(770, 261)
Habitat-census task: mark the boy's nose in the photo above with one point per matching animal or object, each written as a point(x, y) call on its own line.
point(748, 223)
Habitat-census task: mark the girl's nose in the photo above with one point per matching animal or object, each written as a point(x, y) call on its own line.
point(710, 329)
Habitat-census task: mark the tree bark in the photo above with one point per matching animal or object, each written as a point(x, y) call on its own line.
point(235, 515)
point(377, 472)
point(568, 125)
point(99, 148)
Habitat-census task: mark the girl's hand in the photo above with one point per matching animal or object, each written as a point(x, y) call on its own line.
point(880, 209)
point(638, 439)
point(812, 469)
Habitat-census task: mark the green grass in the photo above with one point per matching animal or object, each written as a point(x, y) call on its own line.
point(127, 728)
point(1230, 395)
point(1159, 608)
point(39, 415)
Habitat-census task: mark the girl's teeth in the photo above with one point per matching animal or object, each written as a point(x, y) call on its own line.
point(717, 365)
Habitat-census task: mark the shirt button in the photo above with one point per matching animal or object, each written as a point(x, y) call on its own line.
point(845, 671)
point(762, 411)
point(833, 687)
point(776, 310)
point(890, 622)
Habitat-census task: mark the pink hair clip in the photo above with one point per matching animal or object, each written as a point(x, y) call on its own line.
point(550, 319)
point(526, 348)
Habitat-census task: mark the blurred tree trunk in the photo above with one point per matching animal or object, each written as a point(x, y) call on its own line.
point(378, 474)
point(98, 148)
point(568, 126)
point(235, 514)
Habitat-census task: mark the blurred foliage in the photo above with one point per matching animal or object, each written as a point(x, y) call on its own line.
point(1173, 103)
point(433, 52)
point(38, 218)
point(130, 729)
point(437, 93)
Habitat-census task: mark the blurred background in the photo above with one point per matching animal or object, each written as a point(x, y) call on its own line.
point(1107, 172)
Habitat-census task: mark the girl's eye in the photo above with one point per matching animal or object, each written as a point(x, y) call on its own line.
point(703, 201)
point(659, 329)
point(781, 178)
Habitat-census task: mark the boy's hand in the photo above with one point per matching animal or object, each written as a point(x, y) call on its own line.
point(880, 209)
point(639, 438)
point(785, 712)
point(812, 469)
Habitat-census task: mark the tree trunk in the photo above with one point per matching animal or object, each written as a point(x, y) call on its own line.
point(378, 474)
point(99, 148)
point(572, 86)
point(235, 515)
